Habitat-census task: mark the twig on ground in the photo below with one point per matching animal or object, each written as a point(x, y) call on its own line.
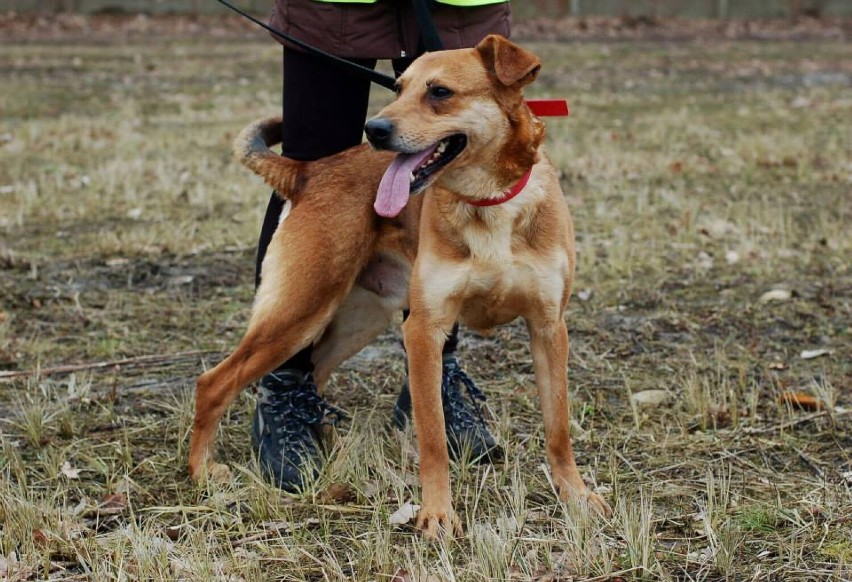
point(137, 361)
point(794, 422)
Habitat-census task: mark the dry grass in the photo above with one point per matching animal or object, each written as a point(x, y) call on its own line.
point(700, 176)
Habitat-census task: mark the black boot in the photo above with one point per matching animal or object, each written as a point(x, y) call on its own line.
point(284, 428)
point(467, 432)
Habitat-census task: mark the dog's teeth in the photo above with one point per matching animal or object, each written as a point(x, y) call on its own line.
point(411, 177)
point(441, 147)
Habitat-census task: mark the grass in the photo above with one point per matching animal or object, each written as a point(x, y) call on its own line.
point(701, 175)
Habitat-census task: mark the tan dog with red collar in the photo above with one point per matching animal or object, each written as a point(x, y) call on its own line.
point(493, 241)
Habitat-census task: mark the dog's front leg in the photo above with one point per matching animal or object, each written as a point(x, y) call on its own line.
point(424, 339)
point(549, 346)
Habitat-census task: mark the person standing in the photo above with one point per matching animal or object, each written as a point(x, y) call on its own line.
point(324, 111)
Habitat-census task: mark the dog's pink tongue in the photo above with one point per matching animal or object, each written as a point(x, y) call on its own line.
point(395, 186)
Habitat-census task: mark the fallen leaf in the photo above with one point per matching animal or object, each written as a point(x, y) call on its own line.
point(117, 262)
point(404, 514)
point(113, 503)
point(40, 539)
point(69, 471)
point(584, 294)
point(776, 295)
point(800, 400)
point(649, 398)
point(811, 354)
point(336, 493)
point(174, 532)
point(719, 415)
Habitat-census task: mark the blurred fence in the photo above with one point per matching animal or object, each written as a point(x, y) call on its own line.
point(522, 8)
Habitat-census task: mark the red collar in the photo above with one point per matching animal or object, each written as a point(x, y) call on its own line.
point(507, 195)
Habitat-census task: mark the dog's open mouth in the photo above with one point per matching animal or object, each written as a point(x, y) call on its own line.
point(411, 173)
point(445, 152)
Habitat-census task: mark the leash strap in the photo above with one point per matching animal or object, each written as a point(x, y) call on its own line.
point(374, 76)
point(429, 37)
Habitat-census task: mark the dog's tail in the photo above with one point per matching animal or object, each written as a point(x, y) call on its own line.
point(251, 148)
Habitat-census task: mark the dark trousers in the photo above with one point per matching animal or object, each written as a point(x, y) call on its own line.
point(324, 111)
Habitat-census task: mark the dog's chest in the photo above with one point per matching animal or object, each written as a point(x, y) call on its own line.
point(490, 247)
point(506, 279)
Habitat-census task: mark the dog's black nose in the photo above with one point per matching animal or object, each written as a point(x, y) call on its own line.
point(379, 130)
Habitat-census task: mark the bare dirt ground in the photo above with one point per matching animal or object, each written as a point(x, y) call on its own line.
point(710, 183)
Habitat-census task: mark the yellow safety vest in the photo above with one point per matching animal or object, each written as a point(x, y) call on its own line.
point(450, 2)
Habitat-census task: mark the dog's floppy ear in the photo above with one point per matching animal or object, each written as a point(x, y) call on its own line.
point(507, 61)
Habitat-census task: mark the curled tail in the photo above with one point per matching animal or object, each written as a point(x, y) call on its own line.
point(251, 148)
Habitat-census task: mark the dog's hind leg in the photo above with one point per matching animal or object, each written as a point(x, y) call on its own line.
point(262, 349)
point(549, 346)
point(294, 304)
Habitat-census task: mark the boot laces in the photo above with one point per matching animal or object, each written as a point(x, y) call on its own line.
point(464, 415)
point(295, 410)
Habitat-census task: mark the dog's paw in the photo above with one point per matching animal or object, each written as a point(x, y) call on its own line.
point(216, 472)
point(599, 504)
point(586, 497)
point(439, 523)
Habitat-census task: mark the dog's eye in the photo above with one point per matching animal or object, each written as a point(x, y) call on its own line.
point(438, 92)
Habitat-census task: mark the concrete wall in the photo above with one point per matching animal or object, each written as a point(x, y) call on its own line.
point(522, 8)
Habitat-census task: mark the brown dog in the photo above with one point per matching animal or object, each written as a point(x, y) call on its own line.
point(493, 241)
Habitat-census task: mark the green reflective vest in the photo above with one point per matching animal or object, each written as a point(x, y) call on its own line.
point(451, 2)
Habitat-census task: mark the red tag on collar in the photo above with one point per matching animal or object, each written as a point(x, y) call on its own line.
point(541, 108)
point(507, 195)
point(549, 107)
